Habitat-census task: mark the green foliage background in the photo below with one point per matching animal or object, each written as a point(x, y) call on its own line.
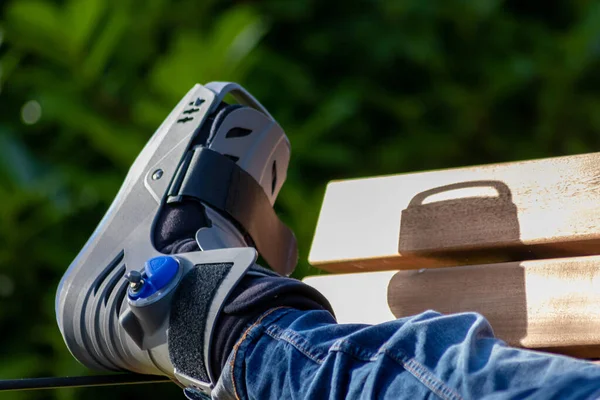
point(362, 88)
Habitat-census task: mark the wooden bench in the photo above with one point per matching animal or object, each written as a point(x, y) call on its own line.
point(516, 242)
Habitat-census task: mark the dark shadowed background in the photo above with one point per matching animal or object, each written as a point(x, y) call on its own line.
point(361, 87)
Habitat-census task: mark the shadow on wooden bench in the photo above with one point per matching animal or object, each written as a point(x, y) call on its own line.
point(543, 217)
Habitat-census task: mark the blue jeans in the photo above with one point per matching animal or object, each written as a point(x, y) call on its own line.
point(291, 354)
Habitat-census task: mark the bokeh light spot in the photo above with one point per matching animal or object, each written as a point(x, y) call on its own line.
point(7, 286)
point(31, 112)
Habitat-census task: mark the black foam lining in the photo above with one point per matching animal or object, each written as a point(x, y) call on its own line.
point(177, 226)
point(191, 304)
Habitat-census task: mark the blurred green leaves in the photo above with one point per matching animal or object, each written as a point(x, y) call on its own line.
point(363, 89)
point(221, 53)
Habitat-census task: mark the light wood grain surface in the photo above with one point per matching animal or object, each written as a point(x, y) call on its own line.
point(507, 212)
point(551, 305)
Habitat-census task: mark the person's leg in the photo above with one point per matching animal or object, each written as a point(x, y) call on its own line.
point(182, 315)
point(291, 354)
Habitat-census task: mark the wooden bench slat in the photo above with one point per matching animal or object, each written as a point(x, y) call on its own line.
point(551, 305)
point(507, 212)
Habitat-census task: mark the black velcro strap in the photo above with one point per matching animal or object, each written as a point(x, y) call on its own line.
point(220, 183)
point(187, 321)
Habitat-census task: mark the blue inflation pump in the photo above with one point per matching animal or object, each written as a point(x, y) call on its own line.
point(157, 274)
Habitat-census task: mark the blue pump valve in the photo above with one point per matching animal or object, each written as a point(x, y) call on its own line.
point(157, 274)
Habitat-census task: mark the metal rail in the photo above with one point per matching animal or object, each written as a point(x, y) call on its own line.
point(78, 381)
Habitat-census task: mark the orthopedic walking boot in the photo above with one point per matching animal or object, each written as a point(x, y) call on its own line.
point(193, 213)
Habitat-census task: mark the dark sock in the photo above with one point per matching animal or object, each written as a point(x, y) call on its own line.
point(177, 225)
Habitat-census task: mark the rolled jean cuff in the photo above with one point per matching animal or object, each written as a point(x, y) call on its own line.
point(227, 388)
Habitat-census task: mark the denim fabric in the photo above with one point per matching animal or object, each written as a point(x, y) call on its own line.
point(291, 354)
